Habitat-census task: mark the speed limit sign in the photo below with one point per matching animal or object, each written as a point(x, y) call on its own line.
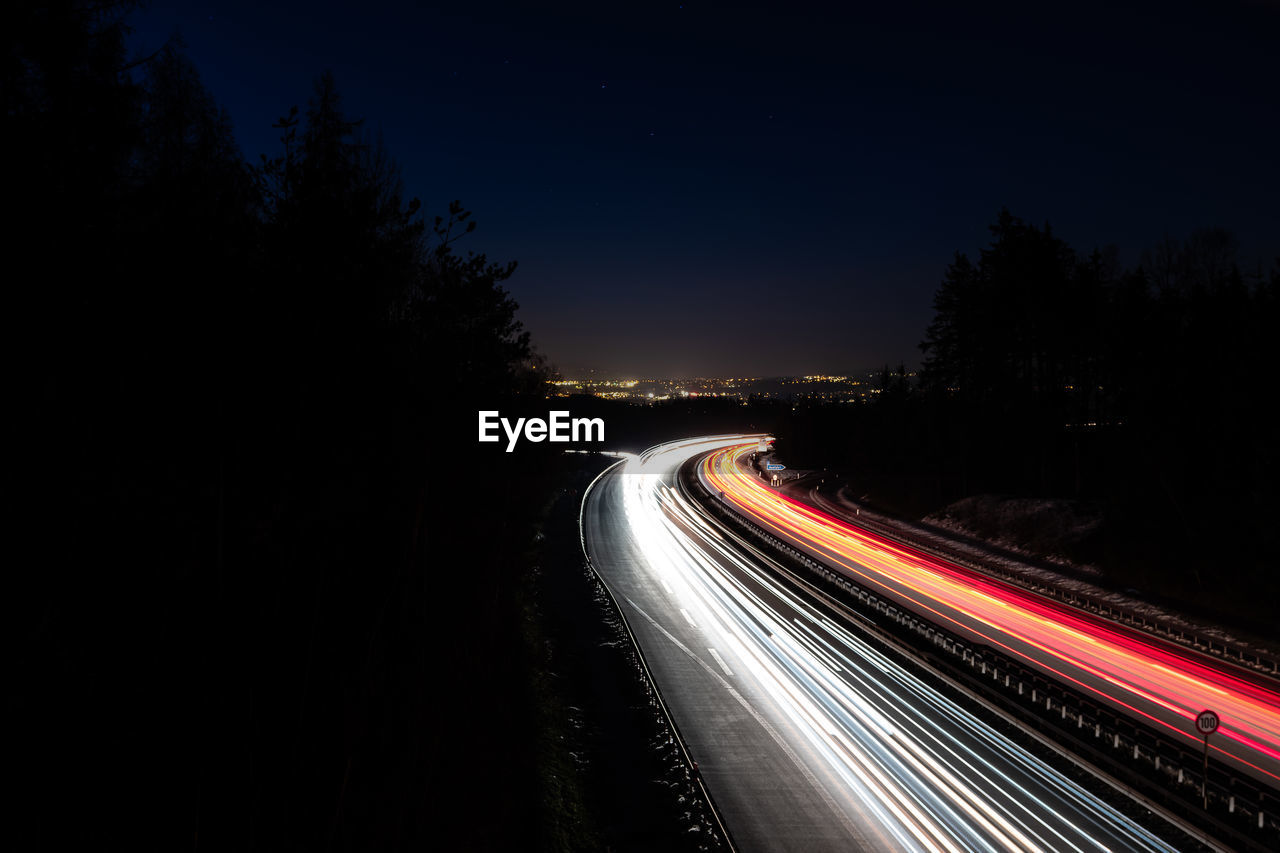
point(1206, 724)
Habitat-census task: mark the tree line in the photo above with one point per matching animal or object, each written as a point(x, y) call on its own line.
point(239, 383)
point(1143, 392)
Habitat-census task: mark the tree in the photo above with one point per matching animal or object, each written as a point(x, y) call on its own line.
point(951, 346)
point(458, 313)
point(1004, 329)
point(342, 248)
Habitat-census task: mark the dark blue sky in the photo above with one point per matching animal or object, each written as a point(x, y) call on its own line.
point(773, 188)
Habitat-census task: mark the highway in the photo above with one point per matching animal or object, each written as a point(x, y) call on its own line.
point(807, 737)
point(1157, 683)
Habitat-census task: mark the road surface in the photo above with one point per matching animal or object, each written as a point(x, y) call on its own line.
point(1160, 684)
point(807, 737)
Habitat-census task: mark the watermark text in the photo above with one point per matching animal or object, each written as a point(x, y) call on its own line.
point(559, 426)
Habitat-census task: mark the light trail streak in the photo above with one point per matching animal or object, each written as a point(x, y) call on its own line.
point(1156, 682)
point(928, 773)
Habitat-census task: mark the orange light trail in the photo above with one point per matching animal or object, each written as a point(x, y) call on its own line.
point(1162, 684)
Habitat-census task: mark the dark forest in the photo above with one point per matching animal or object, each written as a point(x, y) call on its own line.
point(1141, 394)
point(239, 377)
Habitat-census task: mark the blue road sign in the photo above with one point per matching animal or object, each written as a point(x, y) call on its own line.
point(774, 466)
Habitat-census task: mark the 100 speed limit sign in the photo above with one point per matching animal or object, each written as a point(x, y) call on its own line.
point(1207, 723)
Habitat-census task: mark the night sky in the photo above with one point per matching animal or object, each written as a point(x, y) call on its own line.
point(765, 189)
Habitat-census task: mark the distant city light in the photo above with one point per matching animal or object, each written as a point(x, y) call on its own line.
point(818, 388)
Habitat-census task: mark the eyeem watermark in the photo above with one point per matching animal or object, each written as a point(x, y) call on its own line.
point(558, 427)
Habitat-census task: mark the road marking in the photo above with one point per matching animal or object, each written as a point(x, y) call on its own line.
point(854, 830)
point(687, 618)
point(667, 586)
point(715, 654)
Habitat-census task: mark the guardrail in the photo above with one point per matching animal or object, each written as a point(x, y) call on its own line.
point(1241, 811)
point(1228, 651)
point(692, 776)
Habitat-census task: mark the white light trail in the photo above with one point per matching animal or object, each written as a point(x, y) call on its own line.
point(934, 777)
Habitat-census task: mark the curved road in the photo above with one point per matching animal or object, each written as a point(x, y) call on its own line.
point(1160, 684)
point(808, 738)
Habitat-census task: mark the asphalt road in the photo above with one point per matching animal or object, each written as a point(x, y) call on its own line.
point(807, 737)
point(1158, 683)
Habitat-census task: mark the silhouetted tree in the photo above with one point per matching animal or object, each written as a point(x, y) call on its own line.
point(1049, 372)
point(342, 246)
point(236, 395)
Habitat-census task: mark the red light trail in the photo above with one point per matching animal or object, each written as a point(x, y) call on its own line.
point(1162, 684)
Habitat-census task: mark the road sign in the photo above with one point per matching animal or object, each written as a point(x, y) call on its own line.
point(1207, 723)
point(774, 466)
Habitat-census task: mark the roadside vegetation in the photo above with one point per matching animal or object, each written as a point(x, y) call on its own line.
point(1136, 398)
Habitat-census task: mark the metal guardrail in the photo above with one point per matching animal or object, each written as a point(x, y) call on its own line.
point(691, 773)
point(1241, 810)
point(1231, 652)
